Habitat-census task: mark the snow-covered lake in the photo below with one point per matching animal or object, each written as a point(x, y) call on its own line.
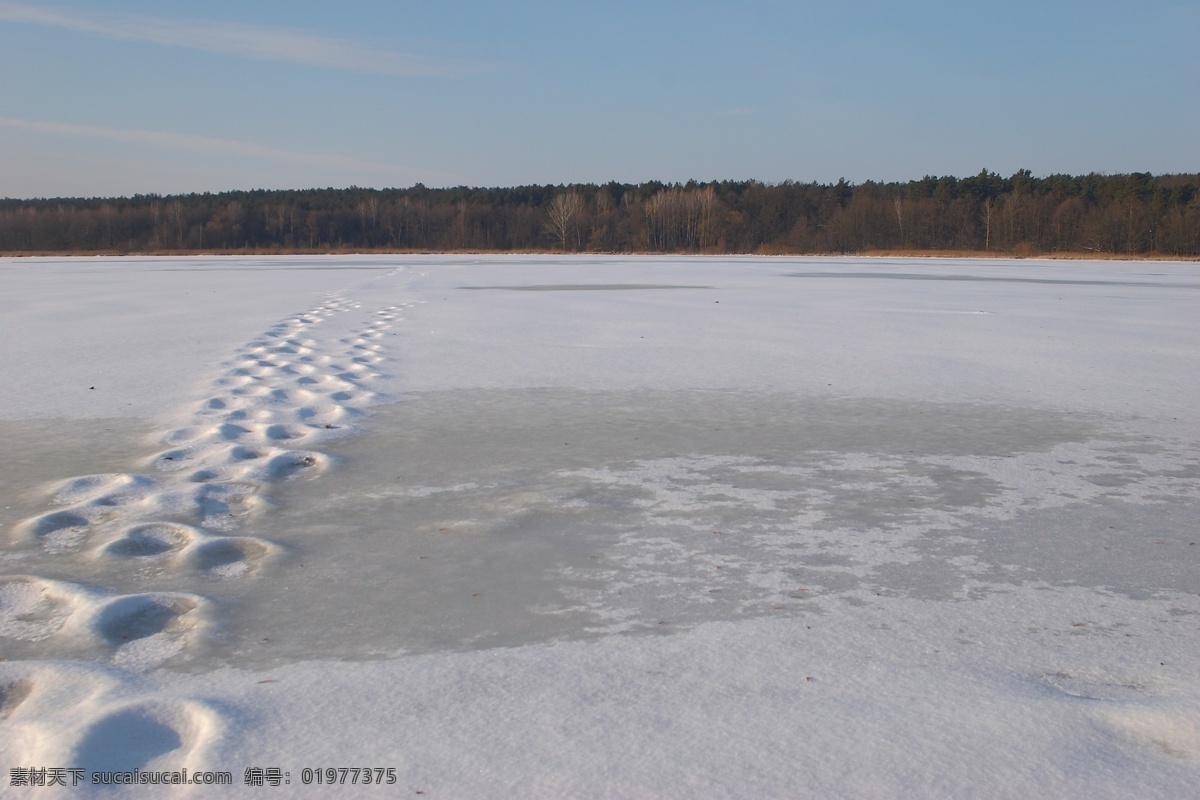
point(604, 527)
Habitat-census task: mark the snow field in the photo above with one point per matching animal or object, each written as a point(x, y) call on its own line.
point(621, 527)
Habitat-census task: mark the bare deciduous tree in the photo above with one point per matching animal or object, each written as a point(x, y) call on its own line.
point(563, 210)
point(987, 224)
point(680, 218)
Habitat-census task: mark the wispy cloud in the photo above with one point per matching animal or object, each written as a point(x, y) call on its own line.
point(226, 147)
point(259, 42)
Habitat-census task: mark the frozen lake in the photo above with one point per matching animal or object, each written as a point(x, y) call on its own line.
point(605, 526)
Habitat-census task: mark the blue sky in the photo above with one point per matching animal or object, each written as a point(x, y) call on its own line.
point(130, 96)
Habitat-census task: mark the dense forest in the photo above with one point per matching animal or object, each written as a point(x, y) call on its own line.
point(1129, 214)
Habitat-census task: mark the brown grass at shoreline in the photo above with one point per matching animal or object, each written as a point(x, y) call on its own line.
point(1063, 255)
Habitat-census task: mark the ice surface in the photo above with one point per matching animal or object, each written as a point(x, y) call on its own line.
point(716, 527)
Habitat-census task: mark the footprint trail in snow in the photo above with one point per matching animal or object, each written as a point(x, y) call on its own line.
point(282, 395)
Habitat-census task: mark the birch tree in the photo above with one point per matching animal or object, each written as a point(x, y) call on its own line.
point(563, 210)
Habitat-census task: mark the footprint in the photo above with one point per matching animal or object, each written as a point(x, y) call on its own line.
point(243, 453)
point(250, 414)
point(125, 741)
point(293, 462)
point(175, 459)
point(147, 736)
point(199, 434)
point(42, 703)
point(32, 609)
point(330, 383)
point(321, 415)
point(187, 435)
point(259, 370)
point(293, 396)
point(231, 431)
point(215, 474)
point(351, 396)
point(58, 531)
point(223, 504)
point(152, 539)
point(283, 433)
point(35, 609)
point(230, 556)
point(138, 616)
point(100, 488)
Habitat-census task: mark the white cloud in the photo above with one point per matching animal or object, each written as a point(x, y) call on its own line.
point(259, 42)
point(225, 147)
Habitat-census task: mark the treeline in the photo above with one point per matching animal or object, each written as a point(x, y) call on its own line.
point(1137, 213)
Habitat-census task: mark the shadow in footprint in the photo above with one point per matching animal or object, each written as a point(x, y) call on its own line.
point(288, 465)
point(231, 432)
point(144, 541)
point(174, 459)
point(230, 557)
point(59, 531)
point(12, 694)
point(243, 453)
point(125, 741)
point(138, 616)
point(281, 433)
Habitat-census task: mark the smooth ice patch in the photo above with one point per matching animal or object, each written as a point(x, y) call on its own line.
point(502, 517)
